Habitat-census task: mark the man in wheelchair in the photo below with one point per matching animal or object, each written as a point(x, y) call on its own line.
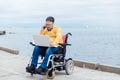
point(58, 49)
point(55, 35)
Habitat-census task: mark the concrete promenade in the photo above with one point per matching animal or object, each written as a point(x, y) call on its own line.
point(12, 67)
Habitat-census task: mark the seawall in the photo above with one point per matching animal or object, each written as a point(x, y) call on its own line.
point(9, 50)
point(96, 66)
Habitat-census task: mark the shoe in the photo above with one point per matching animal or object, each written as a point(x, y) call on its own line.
point(31, 69)
point(41, 71)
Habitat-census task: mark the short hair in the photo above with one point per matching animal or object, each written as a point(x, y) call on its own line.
point(50, 18)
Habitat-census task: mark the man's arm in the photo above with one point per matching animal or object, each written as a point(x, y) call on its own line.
point(58, 37)
point(42, 31)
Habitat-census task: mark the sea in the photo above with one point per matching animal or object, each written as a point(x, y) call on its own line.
point(88, 44)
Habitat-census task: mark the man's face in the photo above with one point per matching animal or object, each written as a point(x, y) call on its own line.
point(49, 25)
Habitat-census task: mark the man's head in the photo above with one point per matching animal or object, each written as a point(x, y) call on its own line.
point(50, 22)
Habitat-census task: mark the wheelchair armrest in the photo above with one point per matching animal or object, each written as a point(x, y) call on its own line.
point(32, 44)
point(65, 44)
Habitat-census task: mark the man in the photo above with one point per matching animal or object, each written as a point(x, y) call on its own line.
point(55, 35)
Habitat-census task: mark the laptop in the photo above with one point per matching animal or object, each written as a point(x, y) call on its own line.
point(41, 40)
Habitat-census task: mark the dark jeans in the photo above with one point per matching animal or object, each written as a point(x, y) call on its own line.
point(38, 50)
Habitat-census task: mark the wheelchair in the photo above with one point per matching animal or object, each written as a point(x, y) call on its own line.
point(57, 61)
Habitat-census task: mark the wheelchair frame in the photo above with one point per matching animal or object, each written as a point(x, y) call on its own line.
point(65, 64)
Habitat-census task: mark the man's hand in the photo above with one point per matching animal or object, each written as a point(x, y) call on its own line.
point(52, 44)
point(44, 26)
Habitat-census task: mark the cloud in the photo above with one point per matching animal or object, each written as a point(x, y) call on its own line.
point(65, 11)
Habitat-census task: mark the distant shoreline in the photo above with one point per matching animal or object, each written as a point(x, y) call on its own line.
point(2, 32)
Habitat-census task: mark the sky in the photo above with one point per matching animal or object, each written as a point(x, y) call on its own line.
point(100, 13)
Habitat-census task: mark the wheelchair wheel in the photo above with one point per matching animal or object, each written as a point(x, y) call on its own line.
point(69, 67)
point(50, 74)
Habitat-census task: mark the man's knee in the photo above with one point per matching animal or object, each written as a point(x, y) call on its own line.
point(36, 50)
point(51, 50)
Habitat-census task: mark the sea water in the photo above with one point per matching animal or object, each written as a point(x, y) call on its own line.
point(92, 45)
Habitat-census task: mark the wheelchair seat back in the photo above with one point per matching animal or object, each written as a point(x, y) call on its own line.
point(60, 55)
